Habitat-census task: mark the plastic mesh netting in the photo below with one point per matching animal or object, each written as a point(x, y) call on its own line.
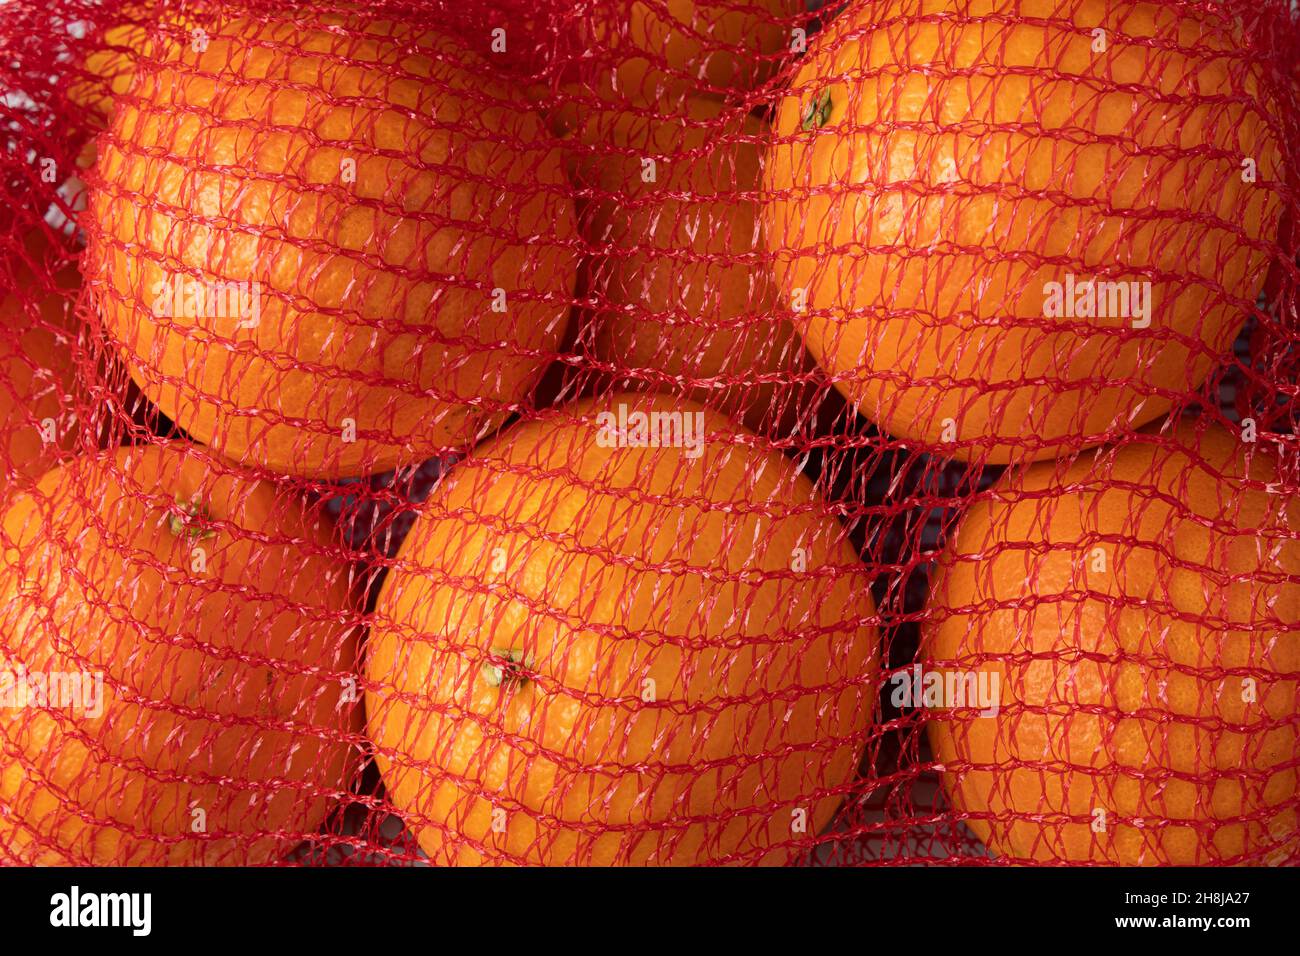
point(663, 432)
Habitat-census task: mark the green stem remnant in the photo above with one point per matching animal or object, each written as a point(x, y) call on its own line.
point(186, 521)
point(818, 112)
point(507, 666)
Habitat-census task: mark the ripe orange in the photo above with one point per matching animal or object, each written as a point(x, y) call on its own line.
point(933, 173)
point(621, 655)
point(39, 388)
point(393, 222)
point(224, 670)
point(716, 46)
point(107, 71)
point(686, 302)
point(1142, 613)
point(657, 54)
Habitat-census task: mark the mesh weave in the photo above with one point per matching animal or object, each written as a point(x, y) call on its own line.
point(657, 432)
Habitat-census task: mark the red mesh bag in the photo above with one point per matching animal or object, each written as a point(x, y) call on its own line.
point(649, 433)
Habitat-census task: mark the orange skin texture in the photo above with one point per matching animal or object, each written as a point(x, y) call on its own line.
point(1122, 679)
point(109, 67)
point(222, 688)
point(38, 373)
point(658, 54)
point(608, 568)
point(718, 47)
point(686, 301)
point(962, 166)
point(376, 296)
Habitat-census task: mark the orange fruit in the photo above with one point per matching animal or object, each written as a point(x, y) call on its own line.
point(621, 655)
point(1140, 611)
point(937, 182)
point(109, 67)
point(209, 609)
point(39, 387)
point(656, 54)
point(107, 71)
point(718, 46)
point(686, 302)
point(712, 46)
point(380, 232)
point(522, 39)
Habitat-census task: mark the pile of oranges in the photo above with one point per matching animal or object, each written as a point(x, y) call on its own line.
point(628, 302)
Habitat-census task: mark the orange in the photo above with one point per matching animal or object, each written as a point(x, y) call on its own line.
point(934, 174)
point(685, 301)
point(39, 387)
point(110, 65)
point(655, 54)
point(593, 652)
point(388, 228)
point(1141, 611)
point(209, 608)
point(714, 46)
point(107, 71)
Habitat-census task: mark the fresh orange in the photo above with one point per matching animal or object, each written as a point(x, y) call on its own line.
point(212, 612)
point(716, 46)
point(934, 171)
point(108, 69)
point(653, 55)
point(39, 388)
point(591, 652)
point(685, 301)
point(107, 72)
point(394, 222)
point(1141, 611)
